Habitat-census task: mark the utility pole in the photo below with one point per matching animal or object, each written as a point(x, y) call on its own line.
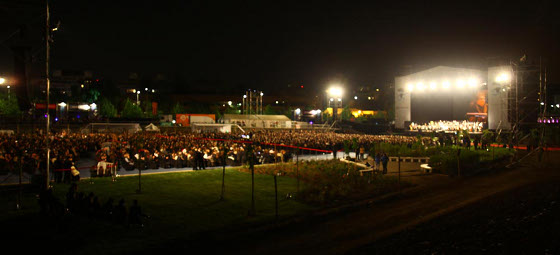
point(47, 75)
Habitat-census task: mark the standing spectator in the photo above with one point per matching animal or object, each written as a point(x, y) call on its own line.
point(384, 161)
point(377, 161)
point(362, 151)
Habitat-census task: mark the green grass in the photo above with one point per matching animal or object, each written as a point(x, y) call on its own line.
point(180, 205)
point(187, 205)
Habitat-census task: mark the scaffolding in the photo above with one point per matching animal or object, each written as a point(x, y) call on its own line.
point(526, 100)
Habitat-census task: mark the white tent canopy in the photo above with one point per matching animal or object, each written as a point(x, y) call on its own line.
point(111, 127)
point(151, 128)
point(257, 121)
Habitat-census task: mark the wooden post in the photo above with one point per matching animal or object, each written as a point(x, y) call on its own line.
point(139, 190)
point(18, 205)
point(297, 169)
point(399, 160)
point(276, 196)
point(458, 162)
point(252, 167)
point(223, 173)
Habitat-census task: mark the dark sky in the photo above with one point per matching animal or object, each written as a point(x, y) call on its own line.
point(267, 43)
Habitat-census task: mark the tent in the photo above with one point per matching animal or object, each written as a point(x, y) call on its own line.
point(111, 127)
point(257, 121)
point(151, 128)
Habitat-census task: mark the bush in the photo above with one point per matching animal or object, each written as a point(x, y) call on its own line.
point(472, 161)
point(330, 181)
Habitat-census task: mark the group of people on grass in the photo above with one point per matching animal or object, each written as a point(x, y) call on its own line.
point(81, 205)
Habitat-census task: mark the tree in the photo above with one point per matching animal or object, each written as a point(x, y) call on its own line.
point(106, 108)
point(147, 107)
point(268, 110)
point(9, 106)
point(131, 110)
point(232, 110)
point(178, 108)
point(92, 95)
point(346, 114)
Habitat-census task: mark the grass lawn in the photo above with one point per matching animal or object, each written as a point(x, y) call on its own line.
point(180, 205)
point(186, 205)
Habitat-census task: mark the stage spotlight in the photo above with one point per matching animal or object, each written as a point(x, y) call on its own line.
point(410, 87)
point(433, 85)
point(420, 86)
point(460, 83)
point(503, 78)
point(445, 84)
point(472, 82)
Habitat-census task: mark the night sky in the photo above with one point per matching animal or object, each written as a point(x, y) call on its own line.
point(266, 44)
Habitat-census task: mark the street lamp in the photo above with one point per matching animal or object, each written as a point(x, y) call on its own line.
point(296, 112)
point(138, 97)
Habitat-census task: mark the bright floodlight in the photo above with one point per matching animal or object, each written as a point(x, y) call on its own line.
point(262, 94)
point(503, 77)
point(138, 92)
point(335, 91)
point(313, 112)
point(93, 106)
point(433, 85)
point(460, 83)
point(229, 103)
point(173, 121)
point(410, 87)
point(420, 86)
point(62, 104)
point(445, 84)
point(355, 97)
point(332, 99)
point(472, 82)
point(542, 103)
point(340, 99)
point(298, 111)
point(2, 80)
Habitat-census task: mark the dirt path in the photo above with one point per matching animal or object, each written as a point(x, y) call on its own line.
point(435, 195)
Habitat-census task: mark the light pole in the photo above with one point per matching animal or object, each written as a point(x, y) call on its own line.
point(244, 105)
point(138, 98)
point(296, 113)
point(335, 92)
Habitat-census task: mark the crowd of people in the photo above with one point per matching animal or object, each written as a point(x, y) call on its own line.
point(82, 205)
point(443, 125)
point(176, 150)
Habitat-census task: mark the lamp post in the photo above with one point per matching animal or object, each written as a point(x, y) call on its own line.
point(138, 98)
point(296, 113)
point(244, 105)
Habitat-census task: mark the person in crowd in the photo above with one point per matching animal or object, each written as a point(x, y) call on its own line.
point(384, 162)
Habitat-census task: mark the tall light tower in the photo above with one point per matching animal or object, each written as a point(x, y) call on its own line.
point(252, 102)
point(335, 96)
